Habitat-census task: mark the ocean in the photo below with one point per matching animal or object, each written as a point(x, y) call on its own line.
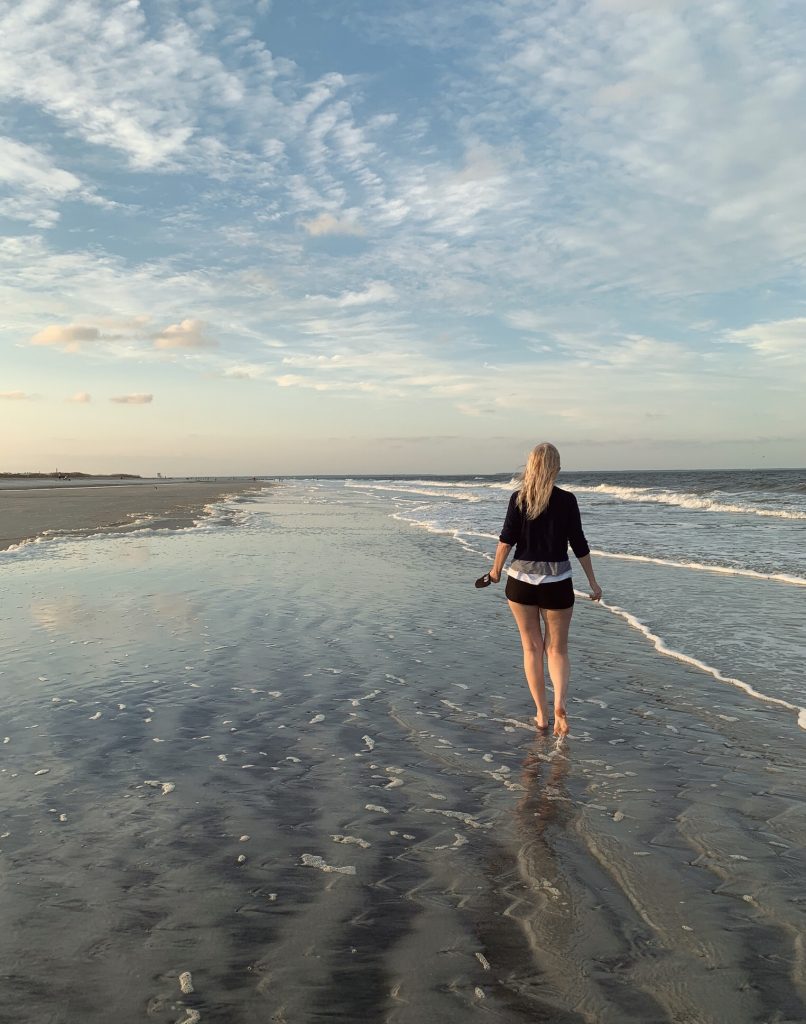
point(710, 565)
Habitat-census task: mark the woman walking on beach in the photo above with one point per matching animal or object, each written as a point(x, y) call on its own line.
point(542, 520)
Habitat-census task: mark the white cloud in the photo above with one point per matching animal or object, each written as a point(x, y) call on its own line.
point(80, 398)
point(135, 399)
point(376, 291)
point(113, 79)
point(15, 396)
point(327, 224)
point(783, 340)
point(245, 371)
point(36, 183)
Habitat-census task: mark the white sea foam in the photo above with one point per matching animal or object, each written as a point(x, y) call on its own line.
point(662, 647)
point(404, 488)
point(727, 570)
point(311, 860)
point(686, 500)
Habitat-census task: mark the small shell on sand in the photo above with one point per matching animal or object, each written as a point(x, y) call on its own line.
point(62, 817)
point(222, 757)
point(42, 771)
point(166, 787)
point(95, 717)
point(186, 982)
point(311, 861)
point(244, 839)
point(241, 858)
point(458, 841)
point(316, 719)
point(468, 819)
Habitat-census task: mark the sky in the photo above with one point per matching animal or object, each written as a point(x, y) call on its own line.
point(343, 236)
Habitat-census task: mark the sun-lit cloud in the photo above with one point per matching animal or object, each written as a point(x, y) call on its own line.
point(15, 396)
point(187, 334)
point(80, 398)
point(135, 399)
point(68, 336)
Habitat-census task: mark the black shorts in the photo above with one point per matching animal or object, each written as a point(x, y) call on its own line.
point(544, 595)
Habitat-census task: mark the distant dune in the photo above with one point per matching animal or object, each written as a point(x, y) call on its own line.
point(70, 476)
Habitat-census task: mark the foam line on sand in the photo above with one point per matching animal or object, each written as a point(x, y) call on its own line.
point(670, 652)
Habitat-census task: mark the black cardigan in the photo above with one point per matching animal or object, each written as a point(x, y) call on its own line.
point(546, 538)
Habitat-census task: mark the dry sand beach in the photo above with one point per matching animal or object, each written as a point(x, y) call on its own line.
point(281, 769)
point(33, 508)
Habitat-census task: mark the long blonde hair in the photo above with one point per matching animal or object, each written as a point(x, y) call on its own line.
point(538, 478)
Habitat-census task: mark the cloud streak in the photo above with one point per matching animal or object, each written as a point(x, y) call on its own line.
point(134, 399)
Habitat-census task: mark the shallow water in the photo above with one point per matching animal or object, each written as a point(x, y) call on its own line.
point(327, 693)
point(685, 553)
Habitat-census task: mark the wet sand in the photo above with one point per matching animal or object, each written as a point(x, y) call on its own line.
point(33, 508)
point(289, 765)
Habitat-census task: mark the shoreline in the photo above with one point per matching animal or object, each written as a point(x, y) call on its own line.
point(44, 509)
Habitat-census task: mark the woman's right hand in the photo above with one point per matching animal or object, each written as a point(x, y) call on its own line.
point(596, 591)
point(494, 576)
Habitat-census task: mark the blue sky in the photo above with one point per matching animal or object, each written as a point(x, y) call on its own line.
point(346, 236)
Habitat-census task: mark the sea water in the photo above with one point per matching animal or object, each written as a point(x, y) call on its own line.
point(709, 565)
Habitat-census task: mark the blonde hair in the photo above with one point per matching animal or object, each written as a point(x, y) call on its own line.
point(537, 479)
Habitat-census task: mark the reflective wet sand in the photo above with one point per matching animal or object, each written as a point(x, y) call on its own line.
point(282, 770)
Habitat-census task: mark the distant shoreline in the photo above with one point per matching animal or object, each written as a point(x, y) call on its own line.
point(33, 508)
point(70, 476)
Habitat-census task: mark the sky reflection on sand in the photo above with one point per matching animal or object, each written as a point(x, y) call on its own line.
point(225, 667)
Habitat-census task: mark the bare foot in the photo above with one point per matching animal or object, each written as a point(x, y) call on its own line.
point(561, 726)
point(543, 727)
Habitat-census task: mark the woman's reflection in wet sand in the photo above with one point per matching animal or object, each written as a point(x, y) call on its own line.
point(542, 816)
point(545, 800)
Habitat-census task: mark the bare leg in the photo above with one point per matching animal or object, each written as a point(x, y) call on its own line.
point(556, 623)
point(528, 619)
